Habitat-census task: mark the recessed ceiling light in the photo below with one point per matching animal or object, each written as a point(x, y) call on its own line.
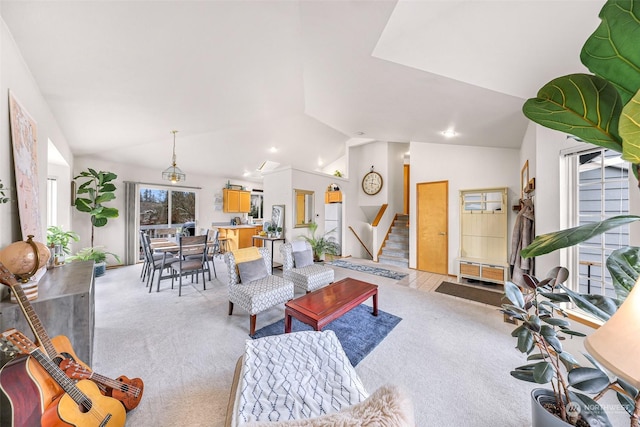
point(359, 133)
point(449, 133)
point(320, 162)
point(273, 149)
point(246, 174)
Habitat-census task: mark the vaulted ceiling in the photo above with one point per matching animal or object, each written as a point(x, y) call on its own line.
point(239, 77)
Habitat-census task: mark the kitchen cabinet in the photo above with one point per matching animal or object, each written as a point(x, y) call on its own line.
point(236, 201)
point(333, 197)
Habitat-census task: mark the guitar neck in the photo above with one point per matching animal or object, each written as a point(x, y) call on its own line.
point(66, 383)
point(34, 322)
point(115, 384)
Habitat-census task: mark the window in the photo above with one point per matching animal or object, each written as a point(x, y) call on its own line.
point(601, 190)
point(52, 202)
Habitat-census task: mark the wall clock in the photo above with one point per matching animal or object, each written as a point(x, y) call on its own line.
point(372, 182)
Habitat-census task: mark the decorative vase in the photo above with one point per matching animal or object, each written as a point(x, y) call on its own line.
point(540, 417)
point(99, 268)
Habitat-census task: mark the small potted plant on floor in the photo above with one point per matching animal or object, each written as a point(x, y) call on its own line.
point(58, 242)
point(97, 255)
point(321, 245)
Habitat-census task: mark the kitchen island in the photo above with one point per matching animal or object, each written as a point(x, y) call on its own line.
point(238, 236)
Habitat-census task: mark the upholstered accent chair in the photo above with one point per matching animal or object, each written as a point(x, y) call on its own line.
point(253, 287)
point(298, 266)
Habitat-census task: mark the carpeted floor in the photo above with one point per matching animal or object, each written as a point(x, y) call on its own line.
point(358, 330)
point(451, 355)
point(473, 293)
point(382, 272)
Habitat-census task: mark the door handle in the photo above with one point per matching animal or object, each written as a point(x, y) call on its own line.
point(442, 233)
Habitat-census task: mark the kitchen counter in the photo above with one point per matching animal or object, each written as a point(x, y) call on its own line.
point(239, 236)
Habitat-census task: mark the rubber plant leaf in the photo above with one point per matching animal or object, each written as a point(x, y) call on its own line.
point(583, 105)
point(611, 52)
point(629, 129)
point(546, 243)
point(584, 303)
point(590, 410)
point(589, 380)
point(624, 266)
point(543, 372)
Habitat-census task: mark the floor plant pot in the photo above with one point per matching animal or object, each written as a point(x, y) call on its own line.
point(99, 268)
point(540, 417)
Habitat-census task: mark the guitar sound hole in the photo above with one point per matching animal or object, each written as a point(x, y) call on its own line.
point(85, 406)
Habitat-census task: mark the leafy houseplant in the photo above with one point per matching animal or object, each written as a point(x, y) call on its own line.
point(57, 236)
point(539, 337)
point(96, 190)
point(95, 254)
point(321, 244)
point(58, 241)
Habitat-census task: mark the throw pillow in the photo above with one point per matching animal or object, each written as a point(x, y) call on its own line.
point(252, 270)
point(303, 258)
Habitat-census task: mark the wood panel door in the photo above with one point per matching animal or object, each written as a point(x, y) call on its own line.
point(432, 225)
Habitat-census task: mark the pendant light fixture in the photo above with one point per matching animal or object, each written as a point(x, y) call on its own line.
point(173, 172)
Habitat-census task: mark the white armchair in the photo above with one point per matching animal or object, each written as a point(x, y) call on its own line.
point(305, 275)
point(259, 294)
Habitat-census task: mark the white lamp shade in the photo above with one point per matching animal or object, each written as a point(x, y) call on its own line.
point(616, 344)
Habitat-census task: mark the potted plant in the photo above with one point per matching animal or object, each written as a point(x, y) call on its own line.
point(58, 241)
point(96, 254)
point(271, 229)
point(278, 232)
point(539, 336)
point(95, 190)
point(321, 244)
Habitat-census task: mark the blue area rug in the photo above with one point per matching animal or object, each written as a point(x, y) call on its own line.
point(367, 269)
point(359, 331)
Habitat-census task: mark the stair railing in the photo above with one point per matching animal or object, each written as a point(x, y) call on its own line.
point(361, 242)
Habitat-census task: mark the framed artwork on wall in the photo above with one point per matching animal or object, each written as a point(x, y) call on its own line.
point(277, 216)
point(24, 138)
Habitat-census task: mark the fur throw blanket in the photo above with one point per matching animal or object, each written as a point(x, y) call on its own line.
point(389, 406)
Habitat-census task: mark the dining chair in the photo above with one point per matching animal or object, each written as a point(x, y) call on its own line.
point(192, 257)
point(156, 262)
point(212, 249)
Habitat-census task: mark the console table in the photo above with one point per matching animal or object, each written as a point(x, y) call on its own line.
point(270, 239)
point(65, 306)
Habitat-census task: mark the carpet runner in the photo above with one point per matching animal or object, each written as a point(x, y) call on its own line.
point(367, 269)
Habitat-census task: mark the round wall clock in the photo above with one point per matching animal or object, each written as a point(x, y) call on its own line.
point(372, 183)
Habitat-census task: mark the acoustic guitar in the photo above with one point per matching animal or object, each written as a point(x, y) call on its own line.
point(128, 391)
point(82, 404)
point(22, 391)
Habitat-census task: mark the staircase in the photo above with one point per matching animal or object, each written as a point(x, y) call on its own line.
point(395, 250)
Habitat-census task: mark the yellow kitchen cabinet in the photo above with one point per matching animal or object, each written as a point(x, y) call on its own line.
point(236, 201)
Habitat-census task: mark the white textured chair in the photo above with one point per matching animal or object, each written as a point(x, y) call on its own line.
point(259, 294)
point(300, 269)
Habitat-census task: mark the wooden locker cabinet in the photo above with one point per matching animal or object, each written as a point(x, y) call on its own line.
point(236, 201)
point(483, 235)
point(332, 197)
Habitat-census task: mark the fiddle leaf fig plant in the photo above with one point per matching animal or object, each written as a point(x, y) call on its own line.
point(602, 109)
point(96, 190)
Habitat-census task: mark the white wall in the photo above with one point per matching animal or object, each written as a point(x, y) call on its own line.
point(15, 76)
point(465, 168)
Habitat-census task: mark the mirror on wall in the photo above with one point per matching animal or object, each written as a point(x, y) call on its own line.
point(303, 209)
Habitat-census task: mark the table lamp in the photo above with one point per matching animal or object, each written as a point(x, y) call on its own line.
point(616, 344)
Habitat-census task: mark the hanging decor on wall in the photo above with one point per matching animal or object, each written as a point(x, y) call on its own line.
point(173, 172)
point(24, 138)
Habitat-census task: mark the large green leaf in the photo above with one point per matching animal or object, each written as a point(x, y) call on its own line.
point(589, 380)
point(611, 52)
point(624, 266)
point(550, 242)
point(543, 372)
point(583, 105)
point(590, 410)
point(629, 129)
point(514, 294)
point(585, 303)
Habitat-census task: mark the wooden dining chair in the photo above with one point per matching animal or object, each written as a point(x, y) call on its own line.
point(192, 257)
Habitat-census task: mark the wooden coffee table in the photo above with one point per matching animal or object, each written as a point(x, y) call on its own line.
point(320, 307)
